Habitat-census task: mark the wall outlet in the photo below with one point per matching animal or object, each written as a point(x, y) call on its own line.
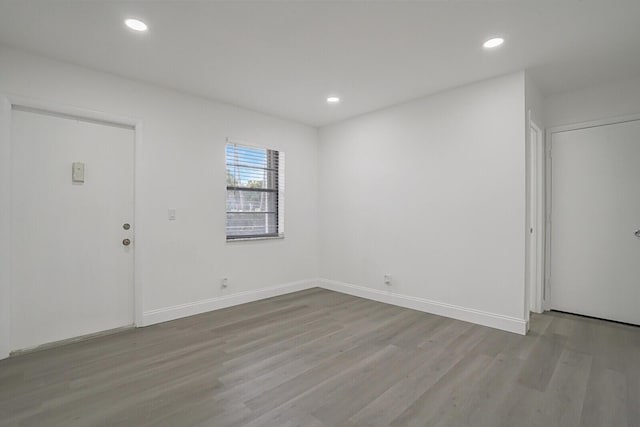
point(387, 279)
point(224, 283)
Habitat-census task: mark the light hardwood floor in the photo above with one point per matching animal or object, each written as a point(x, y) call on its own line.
point(320, 358)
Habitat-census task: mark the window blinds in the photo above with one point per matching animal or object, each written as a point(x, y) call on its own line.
point(255, 192)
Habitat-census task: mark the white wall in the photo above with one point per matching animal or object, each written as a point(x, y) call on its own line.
point(433, 193)
point(614, 99)
point(180, 164)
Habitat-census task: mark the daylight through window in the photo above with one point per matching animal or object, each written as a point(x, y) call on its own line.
point(255, 192)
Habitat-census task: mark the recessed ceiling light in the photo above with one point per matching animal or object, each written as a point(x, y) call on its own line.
point(333, 100)
point(136, 24)
point(495, 42)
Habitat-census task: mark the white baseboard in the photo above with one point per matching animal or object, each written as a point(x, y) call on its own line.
point(498, 321)
point(189, 309)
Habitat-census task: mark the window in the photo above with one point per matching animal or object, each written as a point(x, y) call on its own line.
point(255, 192)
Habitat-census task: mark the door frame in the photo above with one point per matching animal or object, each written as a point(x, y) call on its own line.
point(546, 304)
point(536, 226)
point(7, 102)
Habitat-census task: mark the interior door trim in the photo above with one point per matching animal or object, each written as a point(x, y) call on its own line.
point(18, 107)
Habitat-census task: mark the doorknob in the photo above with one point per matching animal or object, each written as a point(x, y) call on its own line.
point(126, 242)
point(637, 233)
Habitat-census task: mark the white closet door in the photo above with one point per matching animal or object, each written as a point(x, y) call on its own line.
point(595, 218)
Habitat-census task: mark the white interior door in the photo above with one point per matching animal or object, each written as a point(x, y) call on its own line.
point(595, 213)
point(72, 275)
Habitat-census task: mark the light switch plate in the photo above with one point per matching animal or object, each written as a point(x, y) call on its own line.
point(77, 172)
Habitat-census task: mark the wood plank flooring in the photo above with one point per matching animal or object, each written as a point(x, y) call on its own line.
point(319, 358)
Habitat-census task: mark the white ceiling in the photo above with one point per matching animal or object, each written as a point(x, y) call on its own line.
point(285, 58)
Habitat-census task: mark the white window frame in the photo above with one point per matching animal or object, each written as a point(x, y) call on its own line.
point(280, 192)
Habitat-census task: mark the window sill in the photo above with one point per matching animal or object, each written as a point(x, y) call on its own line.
point(250, 239)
